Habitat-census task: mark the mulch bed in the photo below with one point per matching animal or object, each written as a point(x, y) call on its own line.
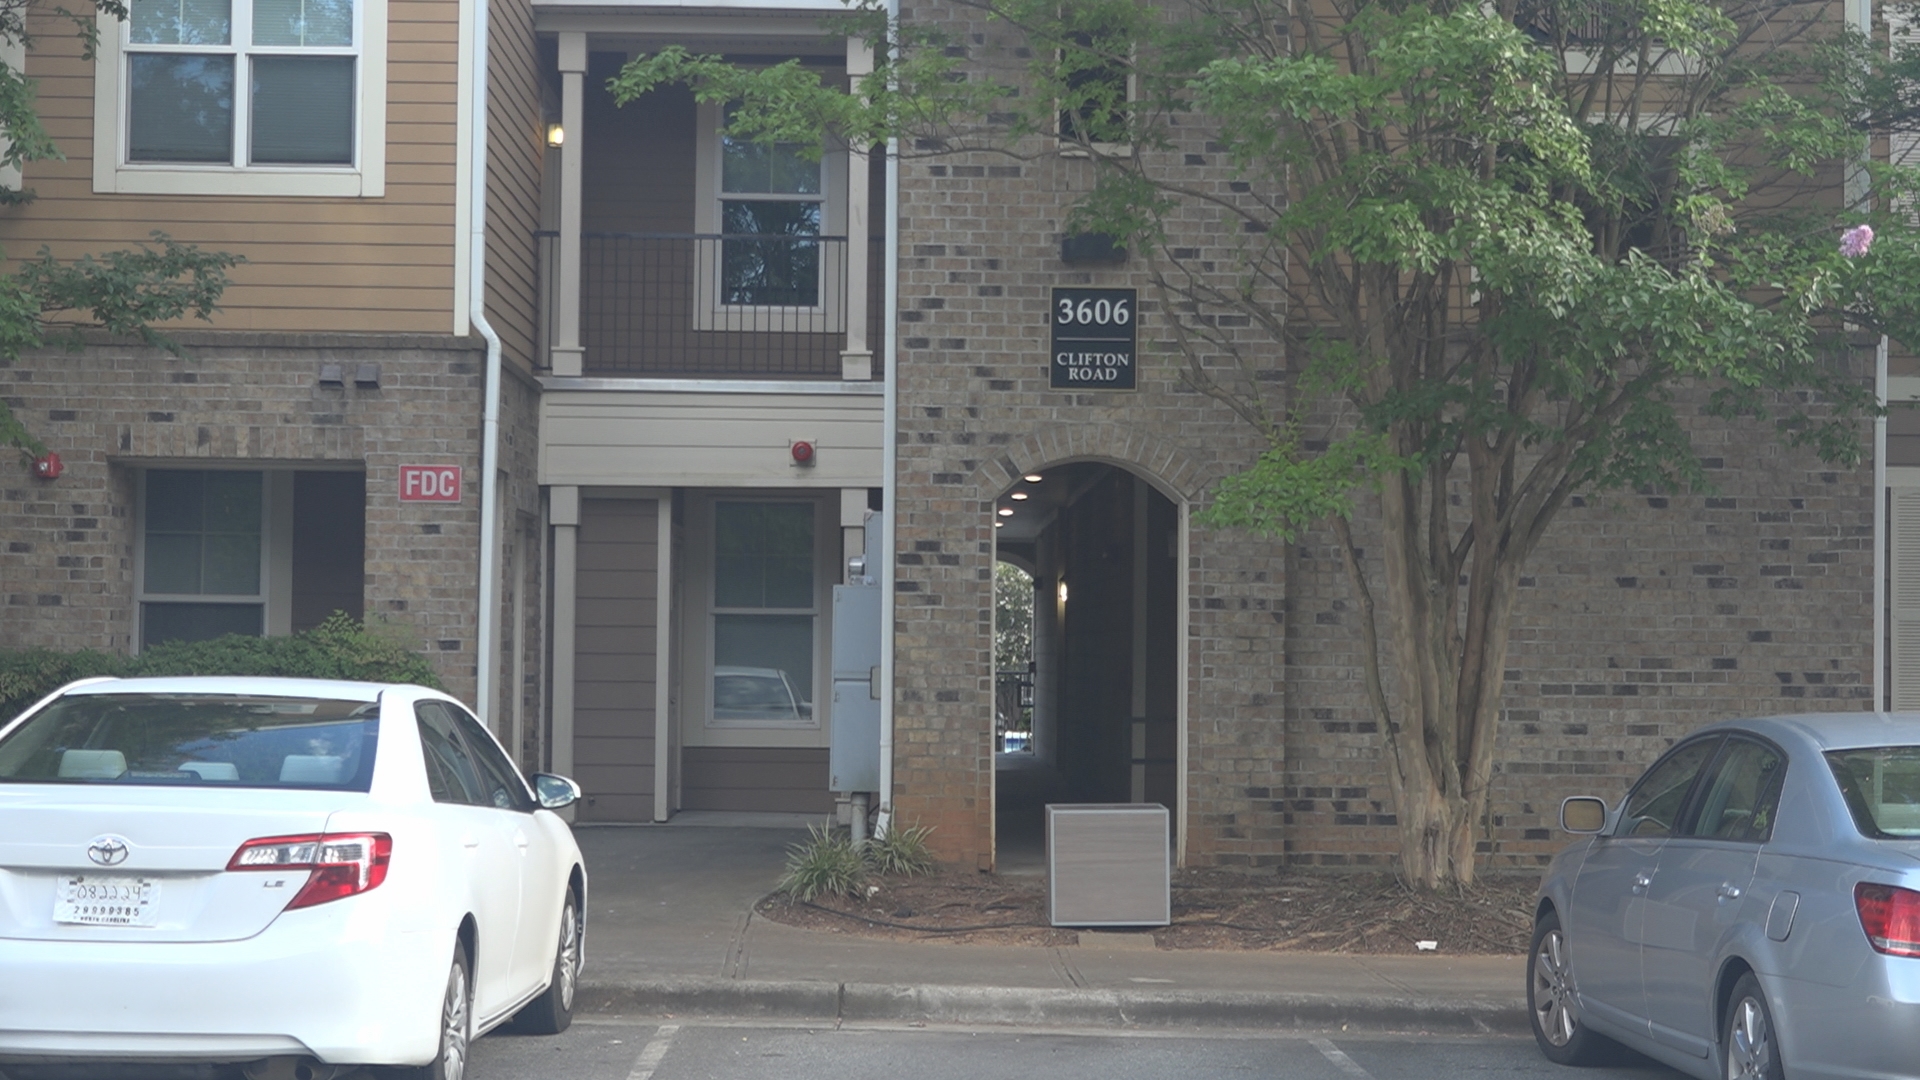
point(1212, 909)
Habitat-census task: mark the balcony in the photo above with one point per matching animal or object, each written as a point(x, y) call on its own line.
point(692, 305)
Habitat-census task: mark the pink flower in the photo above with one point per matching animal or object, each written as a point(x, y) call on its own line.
point(1855, 241)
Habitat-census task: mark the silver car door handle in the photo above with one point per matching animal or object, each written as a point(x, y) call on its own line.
point(1729, 891)
point(1641, 882)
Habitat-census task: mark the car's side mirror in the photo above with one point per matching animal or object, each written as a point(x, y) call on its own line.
point(555, 792)
point(1583, 814)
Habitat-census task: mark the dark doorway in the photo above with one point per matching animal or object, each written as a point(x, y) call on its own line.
point(1101, 545)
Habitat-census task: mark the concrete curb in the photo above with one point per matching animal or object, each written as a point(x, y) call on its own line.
point(1032, 1006)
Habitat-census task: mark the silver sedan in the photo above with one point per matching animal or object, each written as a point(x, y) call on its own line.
point(1750, 910)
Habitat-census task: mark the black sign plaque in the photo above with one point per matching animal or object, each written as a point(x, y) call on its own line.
point(1093, 340)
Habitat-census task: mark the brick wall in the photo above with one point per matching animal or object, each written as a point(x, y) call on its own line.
point(67, 553)
point(980, 244)
point(1640, 617)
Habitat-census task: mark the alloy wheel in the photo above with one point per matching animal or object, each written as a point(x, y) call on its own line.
point(1749, 1042)
point(1552, 998)
point(569, 973)
point(455, 1025)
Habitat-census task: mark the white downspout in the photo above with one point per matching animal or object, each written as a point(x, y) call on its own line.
point(889, 427)
point(1859, 14)
point(1880, 529)
point(485, 641)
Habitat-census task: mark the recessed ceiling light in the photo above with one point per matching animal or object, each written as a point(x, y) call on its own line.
point(1032, 478)
point(1006, 511)
point(1017, 496)
point(999, 524)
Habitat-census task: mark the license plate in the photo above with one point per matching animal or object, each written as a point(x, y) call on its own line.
point(103, 900)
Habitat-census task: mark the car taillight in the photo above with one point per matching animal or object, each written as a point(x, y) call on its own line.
point(342, 864)
point(1891, 917)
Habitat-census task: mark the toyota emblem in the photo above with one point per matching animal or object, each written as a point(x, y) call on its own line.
point(108, 851)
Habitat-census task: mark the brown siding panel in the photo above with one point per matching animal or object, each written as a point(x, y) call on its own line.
point(613, 718)
point(388, 261)
point(792, 780)
point(516, 139)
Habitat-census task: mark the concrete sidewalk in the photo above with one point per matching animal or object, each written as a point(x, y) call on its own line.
point(671, 929)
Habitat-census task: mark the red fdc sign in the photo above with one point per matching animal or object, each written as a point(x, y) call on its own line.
point(430, 483)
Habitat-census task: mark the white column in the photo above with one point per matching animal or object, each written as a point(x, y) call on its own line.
point(663, 659)
point(567, 353)
point(563, 513)
point(856, 362)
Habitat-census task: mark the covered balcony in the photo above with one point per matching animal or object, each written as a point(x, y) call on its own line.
point(678, 252)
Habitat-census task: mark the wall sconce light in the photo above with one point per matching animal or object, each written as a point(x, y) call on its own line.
point(556, 135)
point(1062, 591)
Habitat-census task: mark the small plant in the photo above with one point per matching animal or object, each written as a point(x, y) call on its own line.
point(903, 851)
point(828, 863)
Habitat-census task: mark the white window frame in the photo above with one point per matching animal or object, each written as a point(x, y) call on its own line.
point(365, 178)
point(275, 595)
point(827, 317)
point(700, 569)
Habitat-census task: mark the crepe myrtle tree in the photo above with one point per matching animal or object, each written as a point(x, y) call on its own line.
point(47, 301)
point(1477, 257)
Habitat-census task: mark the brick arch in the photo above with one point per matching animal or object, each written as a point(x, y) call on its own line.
point(1161, 463)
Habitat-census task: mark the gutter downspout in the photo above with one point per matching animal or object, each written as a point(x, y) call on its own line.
point(485, 639)
point(889, 429)
point(1880, 529)
point(1859, 15)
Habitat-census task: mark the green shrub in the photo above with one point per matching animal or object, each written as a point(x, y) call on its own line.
point(828, 863)
point(27, 675)
point(903, 851)
point(339, 648)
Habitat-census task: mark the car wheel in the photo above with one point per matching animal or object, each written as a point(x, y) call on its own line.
point(1750, 1048)
point(456, 1026)
point(551, 1012)
point(1556, 1023)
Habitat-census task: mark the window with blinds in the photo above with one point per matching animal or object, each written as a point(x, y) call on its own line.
point(241, 83)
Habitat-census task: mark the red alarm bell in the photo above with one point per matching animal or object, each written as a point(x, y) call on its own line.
point(802, 451)
point(47, 466)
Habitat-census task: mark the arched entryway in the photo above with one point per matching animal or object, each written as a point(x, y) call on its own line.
point(1101, 709)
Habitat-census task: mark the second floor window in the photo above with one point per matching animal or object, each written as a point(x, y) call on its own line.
point(241, 82)
point(771, 216)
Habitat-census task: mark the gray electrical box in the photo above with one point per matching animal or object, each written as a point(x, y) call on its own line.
point(856, 631)
point(853, 757)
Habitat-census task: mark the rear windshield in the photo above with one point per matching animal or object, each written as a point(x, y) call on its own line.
point(210, 740)
point(1882, 788)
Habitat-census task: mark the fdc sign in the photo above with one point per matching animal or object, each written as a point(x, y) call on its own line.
point(1093, 339)
point(430, 483)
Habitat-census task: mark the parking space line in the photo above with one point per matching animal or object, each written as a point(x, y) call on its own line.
point(1340, 1059)
point(655, 1049)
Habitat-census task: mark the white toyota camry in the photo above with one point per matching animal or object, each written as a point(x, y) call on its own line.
point(293, 874)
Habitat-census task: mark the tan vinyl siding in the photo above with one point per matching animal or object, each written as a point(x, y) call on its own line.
point(708, 439)
point(756, 778)
point(380, 265)
point(516, 140)
point(615, 641)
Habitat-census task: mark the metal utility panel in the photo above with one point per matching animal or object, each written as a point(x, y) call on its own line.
point(856, 631)
point(1108, 865)
point(853, 759)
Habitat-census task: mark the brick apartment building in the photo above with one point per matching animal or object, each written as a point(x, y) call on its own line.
point(725, 370)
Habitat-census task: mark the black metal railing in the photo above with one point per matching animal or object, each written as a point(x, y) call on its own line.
point(712, 305)
point(687, 304)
